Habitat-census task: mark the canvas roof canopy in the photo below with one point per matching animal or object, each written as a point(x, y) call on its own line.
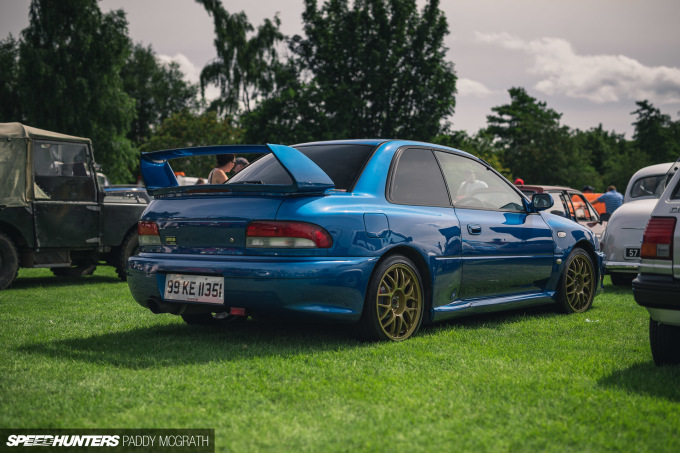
point(16, 188)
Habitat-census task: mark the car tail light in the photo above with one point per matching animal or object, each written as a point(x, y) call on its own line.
point(277, 234)
point(148, 233)
point(657, 242)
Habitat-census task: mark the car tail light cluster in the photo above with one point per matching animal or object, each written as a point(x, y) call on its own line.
point(278, 234)
point(148, 233)
point(657, 242)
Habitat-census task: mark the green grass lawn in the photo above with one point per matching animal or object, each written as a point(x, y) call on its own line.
point(80, 353)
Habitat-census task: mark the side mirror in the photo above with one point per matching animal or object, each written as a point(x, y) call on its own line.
point(542, 201)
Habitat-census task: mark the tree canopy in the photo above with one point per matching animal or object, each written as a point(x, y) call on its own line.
point(185, 129)
point(536, 147)
point(159, 90)
point(364, 68)
point(70, 60)
point(245, 66)
point(361, 68)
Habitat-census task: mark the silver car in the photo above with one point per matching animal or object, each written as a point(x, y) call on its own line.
point(657, 287)
point(623, 236)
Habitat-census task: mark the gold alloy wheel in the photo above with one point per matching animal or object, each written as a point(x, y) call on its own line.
point(580, 284)
point(399, 302)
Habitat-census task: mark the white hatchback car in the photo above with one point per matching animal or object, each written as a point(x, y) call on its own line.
point(657, 286)
point(622, 238)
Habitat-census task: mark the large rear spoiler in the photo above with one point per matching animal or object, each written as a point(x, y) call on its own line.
point(306, 175)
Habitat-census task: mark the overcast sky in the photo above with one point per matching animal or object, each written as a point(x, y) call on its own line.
point(587, 59)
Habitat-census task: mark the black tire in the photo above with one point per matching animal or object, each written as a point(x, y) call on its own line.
point(9, 262)
point(76, 270)
point(128, 248)
point(665, 342)
point(576, 288)
point(622, 279)
point(395, 301)
point(208, 319)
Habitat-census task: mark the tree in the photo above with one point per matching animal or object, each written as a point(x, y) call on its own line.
point(375, 68)
point(611, 156)
point(656, 134)
point(245, 67)
point(70, 60)
point(158, 90)
point(10, 104)
point(537, 148)
point(186, 129)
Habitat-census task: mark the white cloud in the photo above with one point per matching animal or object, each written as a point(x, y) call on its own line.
point(598, 78)
point(192, 73)
point(472, 88)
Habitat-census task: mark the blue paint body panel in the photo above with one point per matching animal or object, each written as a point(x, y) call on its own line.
point(470, 260)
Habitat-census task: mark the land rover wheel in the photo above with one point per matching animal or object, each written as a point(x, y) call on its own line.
point(9, 261)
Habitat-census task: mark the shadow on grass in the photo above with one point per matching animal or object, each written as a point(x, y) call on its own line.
point(55, 282)
point(647, 379)
point(618, 290)
point(495, 319)
point(179, 344)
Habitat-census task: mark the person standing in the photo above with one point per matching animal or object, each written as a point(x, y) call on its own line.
point(240, 163)
point(611, 199)
point(218, 175)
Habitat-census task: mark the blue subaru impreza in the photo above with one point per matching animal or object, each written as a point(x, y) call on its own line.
point(388, 234)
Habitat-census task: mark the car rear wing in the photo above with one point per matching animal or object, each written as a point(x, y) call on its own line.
point(307, 177)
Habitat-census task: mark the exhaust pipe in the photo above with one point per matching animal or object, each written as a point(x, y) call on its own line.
point(158, 306)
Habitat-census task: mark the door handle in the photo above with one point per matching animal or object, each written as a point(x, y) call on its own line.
point(474, 229)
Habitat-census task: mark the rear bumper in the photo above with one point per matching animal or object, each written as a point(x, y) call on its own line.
point(660, 295)
point(622, 266)
point(329, 288)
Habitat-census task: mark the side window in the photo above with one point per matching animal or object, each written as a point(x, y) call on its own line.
point(561, 207)
point(473, 186)
point(62, 172)
point(582, 209)
point(417, 180)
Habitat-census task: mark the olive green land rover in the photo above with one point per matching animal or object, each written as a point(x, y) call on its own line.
point(54, 212)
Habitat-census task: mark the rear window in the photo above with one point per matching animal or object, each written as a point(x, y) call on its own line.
point(342, 163)
point(651, 186)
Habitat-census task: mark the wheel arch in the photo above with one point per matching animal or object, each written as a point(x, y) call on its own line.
point(588, 247)
point(116, 248)
point(423, 269)
point(14, 234)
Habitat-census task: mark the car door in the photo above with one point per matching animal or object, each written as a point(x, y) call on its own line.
point(585, 214)
point(66, 210)
point(505, 249)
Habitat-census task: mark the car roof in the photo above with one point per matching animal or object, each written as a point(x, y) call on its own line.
point(390, 142)
point(545, 188)
point(657, 169)
point(18, 130)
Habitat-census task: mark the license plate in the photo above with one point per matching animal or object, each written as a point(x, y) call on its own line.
point(194, 288)
point(632, 252)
